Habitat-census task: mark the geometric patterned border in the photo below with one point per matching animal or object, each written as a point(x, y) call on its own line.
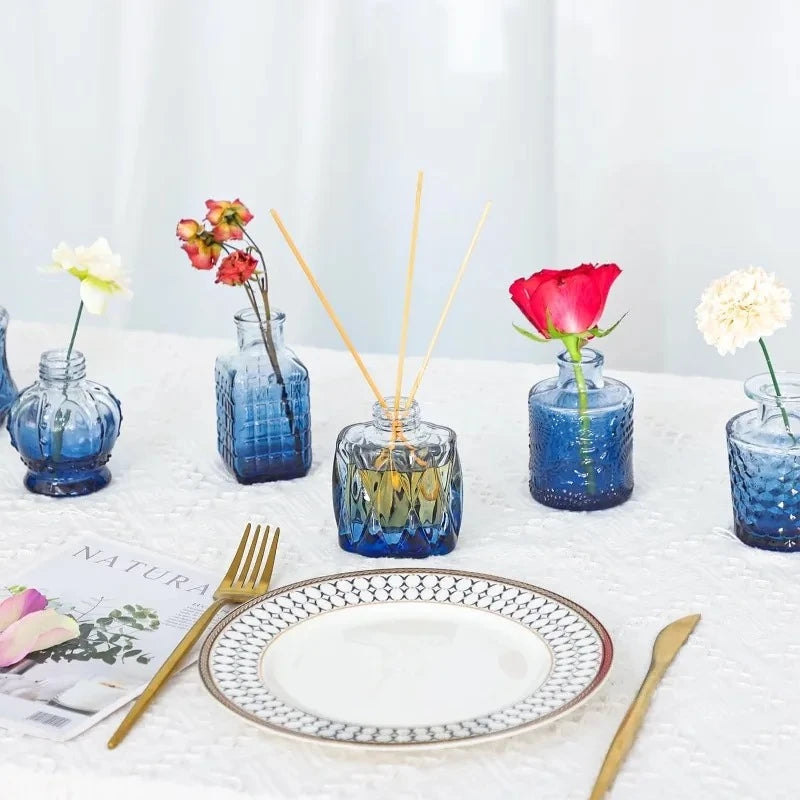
point(580, 647)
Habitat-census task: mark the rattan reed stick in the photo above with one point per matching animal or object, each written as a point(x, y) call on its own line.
point(412, 255)
point(448, 303)
point(328, 307)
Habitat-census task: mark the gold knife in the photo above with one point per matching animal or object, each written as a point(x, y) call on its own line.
point(666, 647)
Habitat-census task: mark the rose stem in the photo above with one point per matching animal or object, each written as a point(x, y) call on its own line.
point(268, 340)
point(776, 387)
point(266, 335)
point(574, 351)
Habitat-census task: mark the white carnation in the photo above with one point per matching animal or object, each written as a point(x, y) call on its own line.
point(742, 307)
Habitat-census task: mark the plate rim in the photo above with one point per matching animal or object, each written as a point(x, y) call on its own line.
point(596, 683)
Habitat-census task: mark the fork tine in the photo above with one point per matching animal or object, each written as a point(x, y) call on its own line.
point(249, 560)
point(252, 579)
point(237, 559)
point(266, 576)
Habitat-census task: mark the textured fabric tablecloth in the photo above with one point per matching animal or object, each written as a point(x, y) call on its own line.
point(724, 723)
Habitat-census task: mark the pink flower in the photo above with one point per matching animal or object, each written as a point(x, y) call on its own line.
point(26, 625)
point(228, 218)
point(35, 631)
point(199, 244)
point(18, 605)
point(236, 268)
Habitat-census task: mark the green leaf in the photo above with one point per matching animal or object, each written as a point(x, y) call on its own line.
point(600, 333)
point(104, 621)
point(143, 660)
point(116, 613)
point(528, 334)
point(131, 654)
point(129, 608)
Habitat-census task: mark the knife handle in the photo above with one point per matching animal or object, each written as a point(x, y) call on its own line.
point(626, 733)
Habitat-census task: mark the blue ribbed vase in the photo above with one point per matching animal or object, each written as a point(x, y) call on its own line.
point(8, 389)
point(764, 462)
point(64, 427)
point(263, 422)
point(581, 460)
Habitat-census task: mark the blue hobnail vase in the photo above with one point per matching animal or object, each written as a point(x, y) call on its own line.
point(64, 427)
point(8, 389)
point(263, 414)
point(397, 485)
point(581, 459)
point(764, 462)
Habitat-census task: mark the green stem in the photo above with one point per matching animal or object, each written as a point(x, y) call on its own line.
point(62, 417)
point(266, 335)
point(74, 332)
point(265, 283)
point(777, 388)
point(584, 443)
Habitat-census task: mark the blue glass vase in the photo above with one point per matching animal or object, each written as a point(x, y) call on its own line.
point(764, 462)
point(64, 428)
point(581, 451)
point(263, 413)
point(397, 485)
point(8, 389)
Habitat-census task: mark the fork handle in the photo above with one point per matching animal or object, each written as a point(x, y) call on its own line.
point(166, 669)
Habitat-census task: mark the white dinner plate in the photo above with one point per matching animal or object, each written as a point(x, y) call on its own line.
point(410, 658)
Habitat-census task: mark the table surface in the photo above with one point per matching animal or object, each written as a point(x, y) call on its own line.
point(723, 724)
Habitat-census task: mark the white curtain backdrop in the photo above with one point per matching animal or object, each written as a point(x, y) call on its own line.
point(661, 135)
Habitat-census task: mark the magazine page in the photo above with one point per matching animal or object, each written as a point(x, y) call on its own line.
point(132, 608)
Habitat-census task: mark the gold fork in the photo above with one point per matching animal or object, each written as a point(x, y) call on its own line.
point(245, 579)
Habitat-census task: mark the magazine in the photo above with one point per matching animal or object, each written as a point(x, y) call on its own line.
point(132, 608)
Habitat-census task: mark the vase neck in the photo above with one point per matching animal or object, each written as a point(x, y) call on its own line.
point(54, 367)
point(761, 389)
point(591, 365)
point(251, 332)
point(406, 418)
point(3, 320)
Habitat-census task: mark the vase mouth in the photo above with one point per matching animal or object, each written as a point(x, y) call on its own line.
point(401, 416)
point(761, 389)
point(55, 366)
point(247, 316)
point(589, 358)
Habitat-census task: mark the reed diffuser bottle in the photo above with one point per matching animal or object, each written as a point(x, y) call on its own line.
point(397, 488)
point(397, 485)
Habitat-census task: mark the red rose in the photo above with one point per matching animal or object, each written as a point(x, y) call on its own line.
point(571, 299)
point(236, 268)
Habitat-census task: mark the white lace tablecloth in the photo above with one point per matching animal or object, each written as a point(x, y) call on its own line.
point(724, 723)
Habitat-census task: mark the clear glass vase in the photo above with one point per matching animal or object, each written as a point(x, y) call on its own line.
point(397, 485)
point(64, 428)
point(8, 389)
point(263, 413)
point(764, 462)
point(581, 459)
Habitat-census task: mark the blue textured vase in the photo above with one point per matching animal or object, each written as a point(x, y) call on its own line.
point(764, 462)
point(64, 428)
point(8, 389)
point(397, 485)
point(263, 408)
point(581, 459)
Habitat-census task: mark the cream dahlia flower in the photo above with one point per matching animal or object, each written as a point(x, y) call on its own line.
point(97, 268)
point(744, 306)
